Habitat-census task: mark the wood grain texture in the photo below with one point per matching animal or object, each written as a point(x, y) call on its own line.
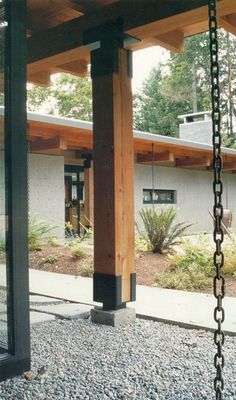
point(114, 175)
point(61, 26)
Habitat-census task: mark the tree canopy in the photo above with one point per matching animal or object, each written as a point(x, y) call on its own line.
point(68, 96)
point(183, 85)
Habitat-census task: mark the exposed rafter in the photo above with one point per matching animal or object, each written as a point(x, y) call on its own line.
point(229, 23)
point(56, 143)
point(229, 166)
point(173, 41)
point(140, 17)
point(41, 78)
point(193, 162)
point(63, 45)
point(77, 68)
point(155, 158)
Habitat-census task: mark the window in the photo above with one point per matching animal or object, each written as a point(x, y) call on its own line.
point(159, 196)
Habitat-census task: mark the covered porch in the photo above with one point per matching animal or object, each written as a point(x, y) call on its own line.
point(67, 36)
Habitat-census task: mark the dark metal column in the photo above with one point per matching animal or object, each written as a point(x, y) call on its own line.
point(18, 358)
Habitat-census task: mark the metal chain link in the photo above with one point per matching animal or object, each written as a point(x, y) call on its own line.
point(218, 235)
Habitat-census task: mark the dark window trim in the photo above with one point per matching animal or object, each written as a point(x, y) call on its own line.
point(173, 192)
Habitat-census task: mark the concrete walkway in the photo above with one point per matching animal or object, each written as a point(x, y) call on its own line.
point(193, 310)
point(188, 309)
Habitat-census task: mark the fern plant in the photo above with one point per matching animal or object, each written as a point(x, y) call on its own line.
point(159, 228)
point(38, 231)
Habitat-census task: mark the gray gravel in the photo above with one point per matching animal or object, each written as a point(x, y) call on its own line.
point(147, 360)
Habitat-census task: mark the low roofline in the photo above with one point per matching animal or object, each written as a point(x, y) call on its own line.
point(178, 142)
point(146, 136)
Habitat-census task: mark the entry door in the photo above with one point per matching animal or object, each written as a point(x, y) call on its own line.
point(14, 308)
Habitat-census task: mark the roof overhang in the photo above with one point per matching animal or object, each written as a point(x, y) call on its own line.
point(55, 135)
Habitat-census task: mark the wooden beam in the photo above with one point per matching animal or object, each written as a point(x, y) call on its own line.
point(173, 41)
point(193, 15)
point(44, 14)
point(229, 166)
point(77, 68)
point(86, 5)
point(139, 18)
point(42, 78)
point(193, 162)
point(151, 23)
point(228, 23)
point(70, 56)
point(155, 158)
point(72, 4)
point(56, 143)
point(113, 183)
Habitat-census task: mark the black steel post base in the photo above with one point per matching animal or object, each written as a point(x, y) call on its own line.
point(107, 289)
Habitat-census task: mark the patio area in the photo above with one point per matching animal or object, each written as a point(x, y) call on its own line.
point(72, 358)
point(76, 359)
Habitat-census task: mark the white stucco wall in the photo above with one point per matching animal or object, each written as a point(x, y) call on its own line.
point(46, 189)
point(194, 193)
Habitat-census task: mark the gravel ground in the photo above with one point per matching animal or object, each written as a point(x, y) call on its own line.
point(147, 360)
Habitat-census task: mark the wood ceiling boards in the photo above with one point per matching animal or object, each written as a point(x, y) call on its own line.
point(61, 25)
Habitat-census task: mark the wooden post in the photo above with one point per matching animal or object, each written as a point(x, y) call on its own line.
point(114, 277)
point(89, 195)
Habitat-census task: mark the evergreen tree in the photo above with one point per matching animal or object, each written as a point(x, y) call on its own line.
point(67, 96)
point(227, 63)
point(183, 85)
point(153, 111)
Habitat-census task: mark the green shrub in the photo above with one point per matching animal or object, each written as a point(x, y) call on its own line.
point(38, 231)
point(197, 255)
point(141, 243)
point(190, 269)
point(76, 250)
point(50, 259)
point(87, 270)
point(2, 246)
point(193, 278)
point(159, 229)
point(86, 232)
point(52, 240)
point(69, 231)
point(229, 249)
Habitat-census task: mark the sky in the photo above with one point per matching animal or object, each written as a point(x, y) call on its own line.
point(144, 61)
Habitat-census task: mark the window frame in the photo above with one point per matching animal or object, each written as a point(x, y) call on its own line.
point(151, 191)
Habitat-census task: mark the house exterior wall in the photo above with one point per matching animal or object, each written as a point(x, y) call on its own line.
point(194, 193)
point(46, 189)
point(193, 189)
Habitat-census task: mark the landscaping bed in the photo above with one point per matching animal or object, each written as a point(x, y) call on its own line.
point(148, 266)
point(59, 259)
point(165, 256)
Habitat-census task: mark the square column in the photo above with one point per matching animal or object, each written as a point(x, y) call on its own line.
point(114, 277)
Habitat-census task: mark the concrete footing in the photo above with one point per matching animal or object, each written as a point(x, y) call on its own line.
point(113, 318)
